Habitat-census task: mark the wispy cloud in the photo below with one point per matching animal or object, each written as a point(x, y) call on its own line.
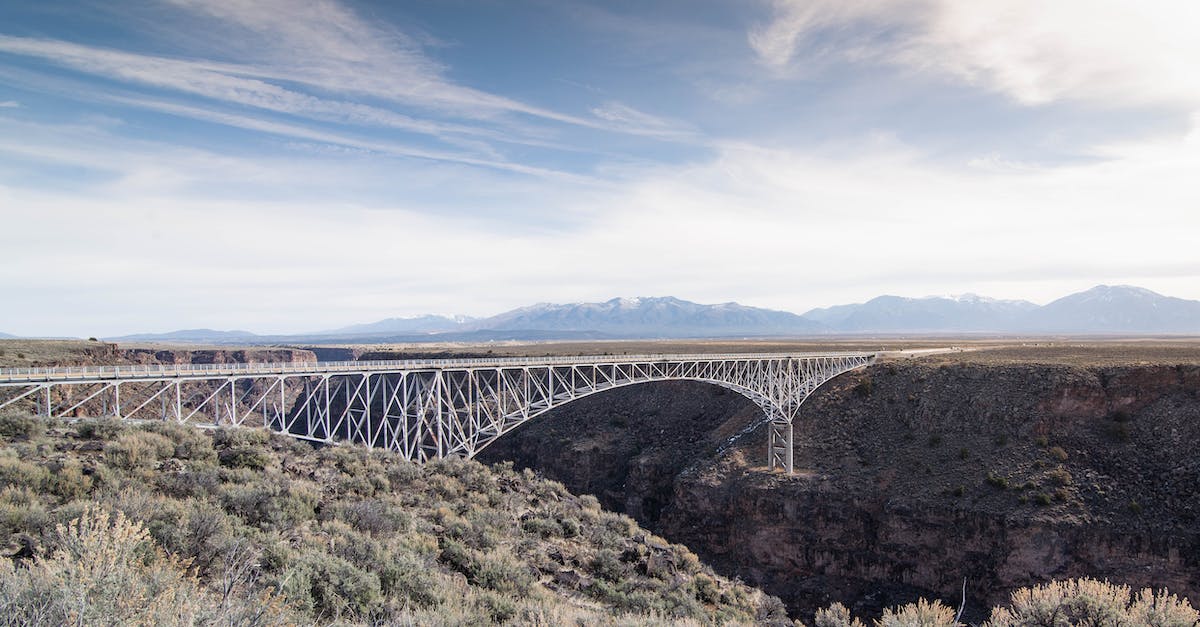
point(301, 132)
point(9, 104)
point(324, 44)
point(625, 118)
point(222, 82)
point(383, 76)
point(1106, 52)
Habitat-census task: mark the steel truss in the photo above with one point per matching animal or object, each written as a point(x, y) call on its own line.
point(424, 409)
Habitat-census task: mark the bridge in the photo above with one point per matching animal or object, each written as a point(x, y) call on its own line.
point(424, 409)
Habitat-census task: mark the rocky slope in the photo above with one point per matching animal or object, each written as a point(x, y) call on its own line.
point(37, 353)
point(238, 527)
point(913, 477)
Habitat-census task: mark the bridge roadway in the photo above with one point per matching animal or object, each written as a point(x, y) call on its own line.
point(424, 409)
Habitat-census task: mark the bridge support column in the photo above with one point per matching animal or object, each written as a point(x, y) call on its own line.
point(779, 445)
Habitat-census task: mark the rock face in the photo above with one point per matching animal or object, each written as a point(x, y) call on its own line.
point(911, 478)
point(626, 446)
point(217, 356)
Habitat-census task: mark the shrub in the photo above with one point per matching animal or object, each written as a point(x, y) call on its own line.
point(997, 481)
point(410, 579)
point(1060, 476)
point(234, 437)
point(190, 443)
point(99, 428)
point(68, 481)
point(374, 517)
point(106, 570)
point(836, 615)
point(250, 457)
point(137, 449)
point(1058, 453)
point(1091, 602)
point(920, 614)
point(20, 473)
point(541, 526)
point(606, 564)
point(332, 587)
point(707, 589)
point(271, 505)
point(21, 512)
point(20, 426)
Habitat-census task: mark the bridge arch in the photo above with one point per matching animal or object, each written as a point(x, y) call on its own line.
point(760, 401)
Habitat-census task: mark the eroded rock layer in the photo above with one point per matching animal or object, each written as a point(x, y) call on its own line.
point(911, 478)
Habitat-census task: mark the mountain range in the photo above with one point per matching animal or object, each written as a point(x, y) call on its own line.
point(1101, 310)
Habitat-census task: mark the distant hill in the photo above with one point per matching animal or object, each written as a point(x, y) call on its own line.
point(401, 326)
point(1102, 309)
point(1116, 309)
point(655, 317)
point(6, 336)
point(934, 314)
point(191, 335)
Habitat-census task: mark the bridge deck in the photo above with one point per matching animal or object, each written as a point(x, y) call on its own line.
point(63, 374)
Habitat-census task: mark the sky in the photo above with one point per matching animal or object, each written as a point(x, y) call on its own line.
point(284, 166)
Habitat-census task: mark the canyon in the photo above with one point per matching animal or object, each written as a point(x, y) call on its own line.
point(977, 472)
point(913, 477)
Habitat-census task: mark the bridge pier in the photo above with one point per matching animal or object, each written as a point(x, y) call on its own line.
point(779, 445)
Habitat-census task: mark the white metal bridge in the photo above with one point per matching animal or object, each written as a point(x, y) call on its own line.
point(424, 409)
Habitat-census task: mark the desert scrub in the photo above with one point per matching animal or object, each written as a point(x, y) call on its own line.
point(99, 428)
point(1091, 602)
point(135, 449)
point(105, 569)
point(997, 481)
point(344, 534)
point(19, 426)
point(1058, 453)
point(920, 614)
point(191, 444)
point(1060, 476)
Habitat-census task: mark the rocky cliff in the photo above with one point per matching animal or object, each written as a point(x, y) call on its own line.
point(41, 353)
point(911, 478)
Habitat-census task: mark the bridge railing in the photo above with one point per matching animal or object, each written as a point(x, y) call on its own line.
point(50, 373)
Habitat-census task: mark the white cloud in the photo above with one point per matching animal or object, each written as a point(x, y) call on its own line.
point(1104, 51)
point(774, 228)
point(9, 104)
point(630, 120)
point(324, 44)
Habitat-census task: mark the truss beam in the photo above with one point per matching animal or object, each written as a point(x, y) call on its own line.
point(424, 409)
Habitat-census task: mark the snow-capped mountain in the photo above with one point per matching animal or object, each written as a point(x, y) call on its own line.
point(654, 317)
point(1116, 309)
point(1102, 309)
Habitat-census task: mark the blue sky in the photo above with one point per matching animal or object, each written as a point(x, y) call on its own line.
point(284, 166)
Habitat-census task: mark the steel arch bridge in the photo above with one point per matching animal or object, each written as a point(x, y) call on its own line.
point(424, 409)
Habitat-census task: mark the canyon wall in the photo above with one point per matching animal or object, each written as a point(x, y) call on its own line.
point(911, 478)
